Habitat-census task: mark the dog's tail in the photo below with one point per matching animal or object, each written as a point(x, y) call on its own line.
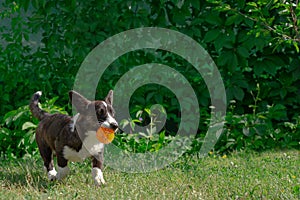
point(34, 106)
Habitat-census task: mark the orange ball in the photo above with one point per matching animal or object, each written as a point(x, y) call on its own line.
point(105, 135)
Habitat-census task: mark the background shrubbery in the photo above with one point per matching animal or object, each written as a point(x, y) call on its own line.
point(255, 46)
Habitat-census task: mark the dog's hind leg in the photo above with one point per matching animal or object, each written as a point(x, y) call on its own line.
point(46, 154)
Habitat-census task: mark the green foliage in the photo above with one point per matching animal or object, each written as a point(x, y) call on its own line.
point(17, 132)
point(258, 131)
point(253, 43)
point(141, 143)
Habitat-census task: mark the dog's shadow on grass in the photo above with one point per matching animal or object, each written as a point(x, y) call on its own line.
point(29, 173)
point(25, 174)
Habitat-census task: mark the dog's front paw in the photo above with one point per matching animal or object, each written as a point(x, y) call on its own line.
point(98, 176)
point(52, 175)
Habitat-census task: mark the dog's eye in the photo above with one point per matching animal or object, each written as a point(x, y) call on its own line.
point(102, 111)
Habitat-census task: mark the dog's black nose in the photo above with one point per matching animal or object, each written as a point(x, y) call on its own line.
point(114, 125)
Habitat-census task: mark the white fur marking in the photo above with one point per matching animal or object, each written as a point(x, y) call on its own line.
point(62, 172)
point(110, 120)
point(91, 146)
point(104, 103)
point(39, 93)
point(52, 174)
point(98, 176)
point(74, 120)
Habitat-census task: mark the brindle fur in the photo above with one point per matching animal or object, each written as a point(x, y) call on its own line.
point(54, 132)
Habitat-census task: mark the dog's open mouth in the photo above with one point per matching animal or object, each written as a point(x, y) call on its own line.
point(105, 135)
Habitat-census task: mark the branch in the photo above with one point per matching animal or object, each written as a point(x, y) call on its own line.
point(270, 28)
point(295, 22)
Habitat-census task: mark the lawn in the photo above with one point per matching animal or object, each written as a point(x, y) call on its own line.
point(268, 175)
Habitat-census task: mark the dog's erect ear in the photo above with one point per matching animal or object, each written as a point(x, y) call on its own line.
point(80, 102)
point(109, 97)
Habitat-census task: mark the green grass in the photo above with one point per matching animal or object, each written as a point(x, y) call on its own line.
point(269, 175)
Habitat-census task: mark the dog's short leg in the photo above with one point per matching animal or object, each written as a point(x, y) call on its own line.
point(46, 154)
point(51, 174)
point(97, 169)
point(62, 168)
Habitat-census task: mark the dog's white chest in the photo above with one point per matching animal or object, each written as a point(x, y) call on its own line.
point(90, 146)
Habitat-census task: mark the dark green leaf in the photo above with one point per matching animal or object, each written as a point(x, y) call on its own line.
point(25, 4)
point(232, 62)
point(283, 93)
point(231, 20)
point(211, 35)
point(196, 4)
point(238, 93)
point(259, 68)
point(242, 51)
point(214, 19)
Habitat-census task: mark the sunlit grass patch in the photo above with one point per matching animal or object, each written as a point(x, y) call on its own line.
point(269, 175)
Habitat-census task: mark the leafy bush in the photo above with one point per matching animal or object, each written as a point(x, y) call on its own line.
point(253, 43)
point(141, 143)
point(249, 131)
point(17, 133)
point(256, 131)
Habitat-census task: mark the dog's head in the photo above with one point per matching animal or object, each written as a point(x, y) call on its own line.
point(94, 114)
